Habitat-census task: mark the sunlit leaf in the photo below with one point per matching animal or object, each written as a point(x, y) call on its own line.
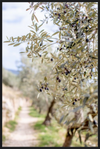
point(90, 126)
point(61, 119)
point(17, 44)
point(55, 33)
point(10, 44)
point(6, 41)
point(22, 52)
point(50, 40)
point(42, 60)
point(36, 18)
point(38, 95)
point(45, 78)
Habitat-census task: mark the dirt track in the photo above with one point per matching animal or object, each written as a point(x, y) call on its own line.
point(24, 135)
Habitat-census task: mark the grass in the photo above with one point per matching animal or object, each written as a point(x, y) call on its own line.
point(34, 113)
point(3, 138)
point(11, 93)
point(12, 123)
point(54, 135)
point(48, 136)
point(17, 113)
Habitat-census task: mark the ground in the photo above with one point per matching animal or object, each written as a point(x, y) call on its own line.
point(24, 135)
point(30, 133)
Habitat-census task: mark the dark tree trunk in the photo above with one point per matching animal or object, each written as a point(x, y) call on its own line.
point(47, 120)
point(68, 139)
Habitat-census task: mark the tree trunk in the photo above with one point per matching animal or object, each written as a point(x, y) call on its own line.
point(79, 120)
point(68, 139)
point(47, 120)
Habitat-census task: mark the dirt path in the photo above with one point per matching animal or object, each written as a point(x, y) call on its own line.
point(24, 135)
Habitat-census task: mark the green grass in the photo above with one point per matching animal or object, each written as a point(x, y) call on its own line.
point(48, 136)
point(39, 126)
point(34, 113)
point(17, 113)
point(3, 138)
point(12, 123)
point(48, 140)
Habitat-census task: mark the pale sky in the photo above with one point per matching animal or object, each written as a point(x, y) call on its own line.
point(15, 22)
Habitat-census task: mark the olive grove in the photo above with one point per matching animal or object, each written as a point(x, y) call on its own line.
point(72, 80)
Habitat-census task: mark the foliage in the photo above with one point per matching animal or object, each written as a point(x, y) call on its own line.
point(75, 63)
point(9, 78)
point(12, 123)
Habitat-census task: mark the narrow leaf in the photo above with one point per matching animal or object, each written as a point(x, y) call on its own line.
point(10, 44)
point(17, 44)
point(36, 18)
point(38, 95)
point(22, 52)
point(6, 41)
point(80, 137)
point(27, 9)
point(61, 119)
point(45, 78)
point(90, 126)
point(50, 40)
point(55, 33)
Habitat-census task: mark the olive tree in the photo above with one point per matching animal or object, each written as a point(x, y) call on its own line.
point(29, 73)
point(75, 71)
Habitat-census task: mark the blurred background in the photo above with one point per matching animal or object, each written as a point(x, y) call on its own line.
point(19, 73)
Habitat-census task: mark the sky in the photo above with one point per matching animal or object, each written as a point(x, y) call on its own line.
point(15, 22)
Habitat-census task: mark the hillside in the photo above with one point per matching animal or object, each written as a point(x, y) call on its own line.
point(13, 71)
point(10, 78)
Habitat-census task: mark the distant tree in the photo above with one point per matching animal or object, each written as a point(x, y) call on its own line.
point(10, 79)
point(29, 74)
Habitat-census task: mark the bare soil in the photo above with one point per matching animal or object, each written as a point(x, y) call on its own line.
point(23, 135)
